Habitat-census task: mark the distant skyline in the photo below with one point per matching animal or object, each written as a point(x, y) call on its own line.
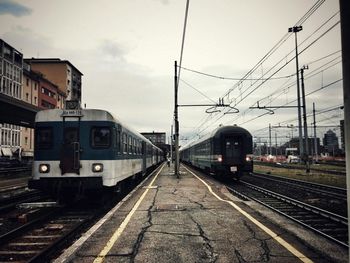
point(126, 50)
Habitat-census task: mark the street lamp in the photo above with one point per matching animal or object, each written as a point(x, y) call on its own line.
point(295, 30)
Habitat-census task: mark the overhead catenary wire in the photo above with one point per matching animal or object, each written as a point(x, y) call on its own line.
point(285, 37)
point(254, 89)
point(307, 94)
point(292, 101)
point(231, 78)
point(213, 118)
point(313, 73)
point(189, 85)
point(286, 122)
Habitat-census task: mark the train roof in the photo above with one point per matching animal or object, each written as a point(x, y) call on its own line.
point(55, 115)
point(71, 115)
point(233, 129)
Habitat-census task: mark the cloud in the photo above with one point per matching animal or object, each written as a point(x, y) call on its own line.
point(13, 8)
point(164, 2)
point(31, 43)
point(112, 50)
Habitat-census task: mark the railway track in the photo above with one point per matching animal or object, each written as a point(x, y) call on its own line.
point(35, 240)
point(14, 170)
point(12, 201)
point(328, 198)
point(298, 167)
point(324, 190)
point(327, 224)
point(49, 230)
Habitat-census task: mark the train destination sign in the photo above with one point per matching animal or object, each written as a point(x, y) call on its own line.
point(72, 113)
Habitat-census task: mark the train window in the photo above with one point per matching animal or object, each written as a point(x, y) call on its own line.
point(44, 138)
point(101, 137)
point(140, 147)
point(117, 139)
point(70, 135)
point(125, 143)
point(130, 144)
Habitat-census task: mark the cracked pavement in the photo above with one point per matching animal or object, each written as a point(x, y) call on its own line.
point(181, 221)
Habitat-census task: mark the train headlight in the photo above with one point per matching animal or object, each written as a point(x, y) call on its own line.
point(219, 158)
point(249, 157)
point(44, 168)
point(97, 167)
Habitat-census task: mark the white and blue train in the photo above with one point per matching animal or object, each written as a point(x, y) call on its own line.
point(82, 151)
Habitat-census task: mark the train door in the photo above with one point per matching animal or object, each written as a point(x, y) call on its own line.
point(70, 151)
point(233, 150)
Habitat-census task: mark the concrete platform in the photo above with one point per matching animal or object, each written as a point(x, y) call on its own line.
point(195, 219)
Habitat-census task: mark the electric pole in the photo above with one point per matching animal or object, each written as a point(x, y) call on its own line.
point(177, 161)
point(306, 150)
point(295, 30)
point(270, 142)
point(345, 32)
point(315, 138)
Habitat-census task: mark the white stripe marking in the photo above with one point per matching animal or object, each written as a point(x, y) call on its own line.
point(280, 240)
point(121, 228)
point(68, 255)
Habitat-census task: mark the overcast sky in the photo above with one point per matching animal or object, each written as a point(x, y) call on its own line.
point(126, 50)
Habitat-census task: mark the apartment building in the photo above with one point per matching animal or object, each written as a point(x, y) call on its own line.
point(47, 94)
point(330, 142)
point(11, 64)
point(62, 73)
point(45, 83)
point(30, 94)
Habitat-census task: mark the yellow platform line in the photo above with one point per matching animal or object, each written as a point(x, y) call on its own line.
point(101, 256)
point(276, 237)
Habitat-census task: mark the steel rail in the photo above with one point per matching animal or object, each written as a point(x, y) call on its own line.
point(327, 190)
point(323, 217)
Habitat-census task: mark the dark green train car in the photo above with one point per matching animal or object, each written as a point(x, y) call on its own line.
point(226, 152)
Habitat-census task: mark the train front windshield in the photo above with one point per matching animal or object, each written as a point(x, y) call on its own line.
point(43, 138)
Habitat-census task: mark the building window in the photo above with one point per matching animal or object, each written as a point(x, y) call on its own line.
point(47, 105)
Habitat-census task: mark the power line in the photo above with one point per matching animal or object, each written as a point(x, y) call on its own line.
point(197, 90)
point(230, 78)
point(279, 43)
point(318, 112)
point(247, 91)
point(254, 89)
point(308, 76)
point(309, 12)
point(327, 56)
